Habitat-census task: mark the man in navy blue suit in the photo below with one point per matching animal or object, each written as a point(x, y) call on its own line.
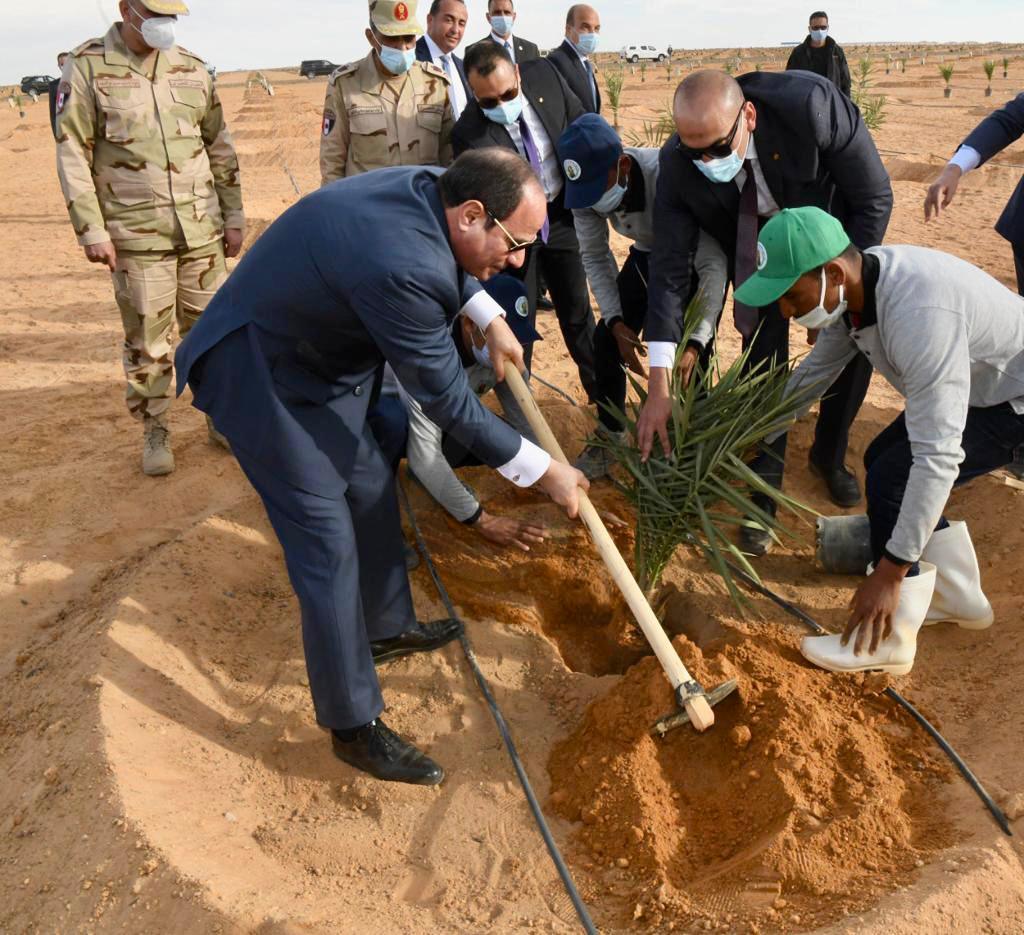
point(989, 138)
point(286, 362)
point(446, 25)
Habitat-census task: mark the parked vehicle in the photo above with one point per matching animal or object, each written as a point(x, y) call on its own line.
point(38, 83)
point(314, 67)
point(650, 53)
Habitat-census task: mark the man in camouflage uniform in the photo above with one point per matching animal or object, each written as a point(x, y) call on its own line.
point(150, 177)
point(388, 109)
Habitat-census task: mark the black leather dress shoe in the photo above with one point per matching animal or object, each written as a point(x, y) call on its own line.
point(841, 482)
point(423, 638)
point(755, 541)
point(379, 751)
point(545, 304)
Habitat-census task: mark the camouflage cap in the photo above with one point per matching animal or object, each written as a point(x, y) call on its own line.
point(395, 19)
point(166, 7)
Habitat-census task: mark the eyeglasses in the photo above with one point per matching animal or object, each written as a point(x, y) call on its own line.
point(718, 150)
point(514, 246)
point(489, 103)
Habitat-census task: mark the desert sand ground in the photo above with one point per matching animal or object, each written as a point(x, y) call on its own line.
point(162, 769)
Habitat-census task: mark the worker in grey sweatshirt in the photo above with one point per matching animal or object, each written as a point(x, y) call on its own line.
point(432, 456)
point(611, 186)
point(950, 338)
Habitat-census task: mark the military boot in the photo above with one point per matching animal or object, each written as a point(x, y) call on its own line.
point(157, 457)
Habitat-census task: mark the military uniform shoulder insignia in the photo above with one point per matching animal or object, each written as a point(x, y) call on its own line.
point(436, 70)
point(90, 45)
point(342, 70)
point(191, 55)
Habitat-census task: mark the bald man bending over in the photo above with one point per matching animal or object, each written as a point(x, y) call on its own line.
point(745, 149)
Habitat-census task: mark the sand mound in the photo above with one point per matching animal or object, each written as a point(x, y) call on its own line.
point(819, 798)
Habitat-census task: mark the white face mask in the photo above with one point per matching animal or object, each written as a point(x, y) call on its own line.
point(820, 317)
point(157, 31)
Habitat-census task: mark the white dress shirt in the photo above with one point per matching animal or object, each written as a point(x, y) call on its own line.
point(967, 158)
point(663, 353)
point(456, 89)
point(551, 175)
point(509, 44)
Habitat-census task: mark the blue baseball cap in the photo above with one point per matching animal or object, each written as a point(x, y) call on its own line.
point(587, 152)
point(510, 294)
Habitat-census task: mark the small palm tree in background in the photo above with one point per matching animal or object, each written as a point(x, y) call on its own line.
point(643, 70)
point(729, 68)
point(990, 70)
point(947, 75)
point(888, 64)
point(1006, 67)
point(653, 133)
point(614, 79)
point(903, 65)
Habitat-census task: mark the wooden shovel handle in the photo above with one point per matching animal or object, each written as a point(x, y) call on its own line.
point(697, 707)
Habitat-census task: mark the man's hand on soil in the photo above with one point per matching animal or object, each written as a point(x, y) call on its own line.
point(103, 253)
point(503, 530)
point(562, 483)
point(503, 346)
point(630, 348)
point(655, 414)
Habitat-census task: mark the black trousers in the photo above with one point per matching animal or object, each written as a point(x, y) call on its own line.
point(1018, 261)
point(989, 439)
point(561, 265)
point(611, 377)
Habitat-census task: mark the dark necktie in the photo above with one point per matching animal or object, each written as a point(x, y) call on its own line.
point(744, 316)
point(593, 82)
point(533, 157)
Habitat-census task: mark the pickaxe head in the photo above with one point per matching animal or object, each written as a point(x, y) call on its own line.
point(671, 721)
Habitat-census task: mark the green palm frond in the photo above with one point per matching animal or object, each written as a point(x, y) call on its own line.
point(704, 488)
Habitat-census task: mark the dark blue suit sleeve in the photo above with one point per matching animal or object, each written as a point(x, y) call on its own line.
point(407, 321)
point(849, 154)
point(999, 129)
point(676, 230)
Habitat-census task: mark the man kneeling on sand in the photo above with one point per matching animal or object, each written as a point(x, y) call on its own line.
point(950, 338)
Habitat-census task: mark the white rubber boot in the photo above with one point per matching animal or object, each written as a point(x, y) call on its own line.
point(895, 654)
point(958, 595)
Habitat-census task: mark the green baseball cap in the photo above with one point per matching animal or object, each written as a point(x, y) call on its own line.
point(792, 243)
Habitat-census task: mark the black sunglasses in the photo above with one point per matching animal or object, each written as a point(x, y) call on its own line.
point(489, 103)
point(718, 150)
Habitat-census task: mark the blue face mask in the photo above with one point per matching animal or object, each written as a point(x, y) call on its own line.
point(502, 25)
point(396, 61)
point(819, 35)
point(721, 170)
point(507, 112)
point(610, 200)
point(588, 42)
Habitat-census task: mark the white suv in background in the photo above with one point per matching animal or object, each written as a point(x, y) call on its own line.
point(633, 53)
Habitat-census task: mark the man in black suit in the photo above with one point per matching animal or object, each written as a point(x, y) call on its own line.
point(572, 57)
point(526, 109)
point(746, 149)
point(446, 25)
point(501, 14)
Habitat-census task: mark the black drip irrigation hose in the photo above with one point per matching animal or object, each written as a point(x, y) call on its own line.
point(499, 719)
point(965, 771)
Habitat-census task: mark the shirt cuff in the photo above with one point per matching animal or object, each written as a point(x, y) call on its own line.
point(93, 237)
point(233, 220)
point(482, 310)
point(661, 354)
point(966, 158)
point(528, 466)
